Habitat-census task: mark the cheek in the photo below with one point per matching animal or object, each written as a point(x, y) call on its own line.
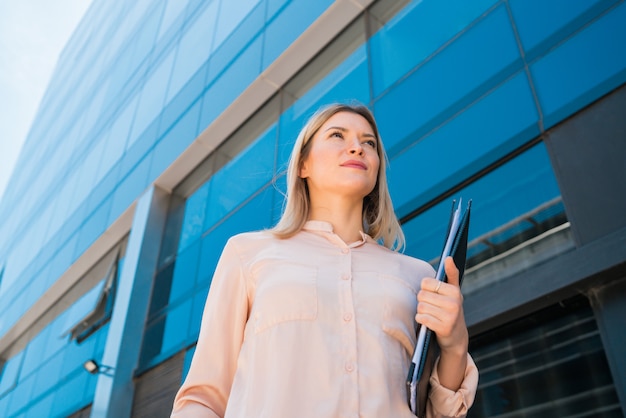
point(376, 164)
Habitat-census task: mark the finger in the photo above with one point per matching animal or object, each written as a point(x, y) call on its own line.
point(430, 284)
point(436, 319)
point(452, 272)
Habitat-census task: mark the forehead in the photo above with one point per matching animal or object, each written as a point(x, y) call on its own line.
point(347, 120)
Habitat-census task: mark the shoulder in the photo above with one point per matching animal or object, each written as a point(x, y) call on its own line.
point(250, 242)
point(252, 236)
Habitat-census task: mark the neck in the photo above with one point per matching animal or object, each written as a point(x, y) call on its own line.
point(346, 217)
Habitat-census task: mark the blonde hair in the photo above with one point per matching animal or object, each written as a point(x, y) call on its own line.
point(379, 218)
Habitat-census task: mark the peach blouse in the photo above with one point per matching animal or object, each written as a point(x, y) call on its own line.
point(311, 327)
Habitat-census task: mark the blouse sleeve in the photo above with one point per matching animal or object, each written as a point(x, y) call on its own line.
point(447, 403)
point(206, 389)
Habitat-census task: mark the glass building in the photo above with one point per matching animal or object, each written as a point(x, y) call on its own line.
point(166, 129)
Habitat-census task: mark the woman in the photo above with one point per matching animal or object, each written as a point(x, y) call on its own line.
point(316, 317)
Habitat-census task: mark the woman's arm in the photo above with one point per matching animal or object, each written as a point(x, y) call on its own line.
point(206, 388)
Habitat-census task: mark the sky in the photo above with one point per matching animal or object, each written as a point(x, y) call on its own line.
point(32, 36)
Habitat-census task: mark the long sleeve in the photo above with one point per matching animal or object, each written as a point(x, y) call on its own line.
point(447, 403)
point(207, 386)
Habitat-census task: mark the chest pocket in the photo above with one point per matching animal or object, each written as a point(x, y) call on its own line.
point(400, 307)
point(284, 292)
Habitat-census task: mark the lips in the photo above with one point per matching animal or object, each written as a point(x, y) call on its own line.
point(354, 164)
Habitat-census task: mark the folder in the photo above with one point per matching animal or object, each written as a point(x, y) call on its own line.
point(426, 348)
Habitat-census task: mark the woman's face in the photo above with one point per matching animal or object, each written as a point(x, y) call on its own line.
point(343, 158)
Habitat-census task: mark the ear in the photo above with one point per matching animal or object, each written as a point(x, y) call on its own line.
point(303, 172)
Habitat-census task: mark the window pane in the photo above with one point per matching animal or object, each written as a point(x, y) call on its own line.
point(10, 373)
point(193, 49)
point(241, 177)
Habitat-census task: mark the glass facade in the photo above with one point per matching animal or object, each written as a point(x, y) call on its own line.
point(183, 96)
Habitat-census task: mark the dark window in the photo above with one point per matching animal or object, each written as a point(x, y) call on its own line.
point(548, 364)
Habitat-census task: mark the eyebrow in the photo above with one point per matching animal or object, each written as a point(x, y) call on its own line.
point(339, 128)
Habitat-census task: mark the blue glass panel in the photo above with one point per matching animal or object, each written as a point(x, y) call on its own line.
point(10, 373)
point(587, 66)
point(70, 395)
point(176, 327)
point(199, 300)
point(241, 177)
point(416, 33)
point(274, 6)
point(477, 137)
point(93, 227)
point(504, 194)
point(147, 31)
point(4, 404)
point(230, 16)
point(48, 375)
point(175, 141)
point(193, 221)
point(542, 24)
point(233, 81)
point(119, 72)
point(41, 408)
point(117, 138)
point(35, 352)
point(62, 260)
point(210, 250)
point(129, 189)
point(152, 97)
point(286, 26)
point(193, 49)
point(103, 190)
point(89, 170)
point(139, 148)
point(21, 395)
point(187, 362)
point(481, 58)
point(58, 339)
point(173, 10)
point(237, 40)
point(181, 103)
point(185, 271)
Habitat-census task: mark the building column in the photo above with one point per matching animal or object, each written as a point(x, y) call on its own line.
point(609, 305)
point(115, 389)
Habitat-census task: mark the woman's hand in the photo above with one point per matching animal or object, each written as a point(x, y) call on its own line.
point(440, 308)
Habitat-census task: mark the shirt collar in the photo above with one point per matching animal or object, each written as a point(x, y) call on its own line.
point(326, 227)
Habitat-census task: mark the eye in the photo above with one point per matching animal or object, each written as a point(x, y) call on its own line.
point(371, 143)
point(336, 134)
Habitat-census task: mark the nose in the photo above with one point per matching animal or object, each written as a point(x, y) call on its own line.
point(355, 147)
